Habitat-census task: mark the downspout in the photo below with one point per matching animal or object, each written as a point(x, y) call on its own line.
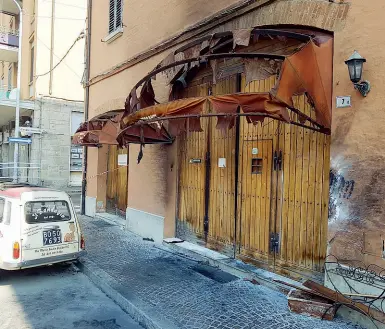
point(17, 115)
point(52, 46)
point(86, 105)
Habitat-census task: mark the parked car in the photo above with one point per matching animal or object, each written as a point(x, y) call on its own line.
point(38, 226)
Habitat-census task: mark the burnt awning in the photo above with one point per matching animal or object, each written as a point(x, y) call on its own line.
point(306, 71)
point(185, 114)
point(104, 129)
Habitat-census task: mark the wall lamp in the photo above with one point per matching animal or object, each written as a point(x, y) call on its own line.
point(355, 65)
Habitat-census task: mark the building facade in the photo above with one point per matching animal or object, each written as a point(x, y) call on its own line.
point(51, 91)
point(280, 195)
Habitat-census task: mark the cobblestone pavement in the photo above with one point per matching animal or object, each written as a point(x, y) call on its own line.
point(188, 293)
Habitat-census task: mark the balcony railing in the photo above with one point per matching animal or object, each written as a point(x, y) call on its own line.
point(9, 37)
point(6, 93)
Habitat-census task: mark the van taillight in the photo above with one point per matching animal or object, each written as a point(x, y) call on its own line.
point(16, 250)
point(82, 242)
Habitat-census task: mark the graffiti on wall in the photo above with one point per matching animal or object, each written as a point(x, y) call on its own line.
point(340, 189)
point(340, 186)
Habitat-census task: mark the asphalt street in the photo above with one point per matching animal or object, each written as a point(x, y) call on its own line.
point(57, 297)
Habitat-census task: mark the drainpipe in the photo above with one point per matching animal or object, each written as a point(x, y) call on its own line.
point(52, 46)
point(86, 105)
point(17, 119)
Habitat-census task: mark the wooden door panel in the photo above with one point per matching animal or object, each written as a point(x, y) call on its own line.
point(302, 221)
point(192, 172)
point(122, 179)
point(221, 231)
point(117, 177)
point(255, 195)
point(111, 173)
point(299, 191)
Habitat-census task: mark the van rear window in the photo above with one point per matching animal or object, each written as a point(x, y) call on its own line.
point(47, 211)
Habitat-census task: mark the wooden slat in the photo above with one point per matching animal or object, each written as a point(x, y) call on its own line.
point(310, 240)
point(243, 206)
point(111, 174)
point(285, 237)
point(281, 224)
point(269, 157)
point(298, 190)
point(182, 183)
point(304, 190)
point(249, 216)
point(318, 201)
point(122, 179)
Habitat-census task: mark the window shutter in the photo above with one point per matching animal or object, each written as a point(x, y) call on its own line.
point(31, 71)
point(111, 26)
point(118, 14)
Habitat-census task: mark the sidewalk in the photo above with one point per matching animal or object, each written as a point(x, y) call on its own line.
point(173, 291)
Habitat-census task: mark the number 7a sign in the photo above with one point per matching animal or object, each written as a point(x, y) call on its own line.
point(343, 101)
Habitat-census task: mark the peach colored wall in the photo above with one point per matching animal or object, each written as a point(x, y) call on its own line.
point(96, 175)
point(146, 22)
point(147, 183)
point(357, 137)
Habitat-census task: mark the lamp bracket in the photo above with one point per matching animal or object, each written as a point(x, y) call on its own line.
point(363, 87)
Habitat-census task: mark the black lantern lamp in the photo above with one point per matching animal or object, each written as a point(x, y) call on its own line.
point(355, 65)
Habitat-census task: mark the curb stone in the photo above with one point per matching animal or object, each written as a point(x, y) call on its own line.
point(141, 312)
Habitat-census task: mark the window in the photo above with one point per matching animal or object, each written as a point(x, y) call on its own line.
point(256, 166)
point(2, 206)
point(10, 78)
point(46, 211)
point(115, 15)
point(76, 120)
point(32, 62)
point(7, 217)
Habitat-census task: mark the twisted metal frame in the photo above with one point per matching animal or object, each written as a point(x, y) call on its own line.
point(355, 270)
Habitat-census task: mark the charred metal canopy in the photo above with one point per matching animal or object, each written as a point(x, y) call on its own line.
point(306, 71)
point(104, 129)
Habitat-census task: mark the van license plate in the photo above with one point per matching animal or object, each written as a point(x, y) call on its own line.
point(51, 237)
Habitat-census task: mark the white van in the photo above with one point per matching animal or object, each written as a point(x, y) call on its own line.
point(38, 227)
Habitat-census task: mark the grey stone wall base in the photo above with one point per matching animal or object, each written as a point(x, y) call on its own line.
point(141, 312)
point(145, 224)
point(90, 206)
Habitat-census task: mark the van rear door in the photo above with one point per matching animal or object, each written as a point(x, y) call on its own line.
point(49, 229)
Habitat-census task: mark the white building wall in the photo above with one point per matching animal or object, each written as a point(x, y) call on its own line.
point(70, 16)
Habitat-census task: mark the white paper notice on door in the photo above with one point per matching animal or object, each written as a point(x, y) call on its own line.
point(122, 160)
point(222, 162)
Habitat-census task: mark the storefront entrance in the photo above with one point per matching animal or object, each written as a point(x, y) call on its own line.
point(117, 178)
point(256, 192)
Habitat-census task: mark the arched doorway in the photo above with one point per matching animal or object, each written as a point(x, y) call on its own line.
point(117, 179)
point(252, 119)
point(256, 192)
